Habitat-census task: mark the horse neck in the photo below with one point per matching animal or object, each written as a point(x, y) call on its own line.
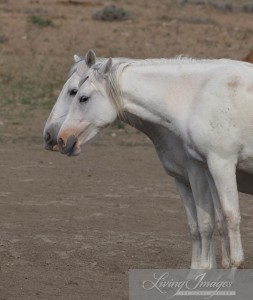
point(158, 94)
point(154, 131)
point(164, 141)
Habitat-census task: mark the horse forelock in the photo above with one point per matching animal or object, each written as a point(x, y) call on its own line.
point(77, 65)
point(88, 72)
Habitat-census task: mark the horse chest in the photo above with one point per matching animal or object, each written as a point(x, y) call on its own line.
point(173, 160)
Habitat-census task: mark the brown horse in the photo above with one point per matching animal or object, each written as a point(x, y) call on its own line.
point(249, 57)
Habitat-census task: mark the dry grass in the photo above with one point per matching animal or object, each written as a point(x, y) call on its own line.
point(111, 13)
point(248, 7)
point(3, 38)
point(40, 21)
point(224, 6)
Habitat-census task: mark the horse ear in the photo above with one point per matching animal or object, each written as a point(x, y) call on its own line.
point(77, 58)
point(107, 67)
point(90, 58)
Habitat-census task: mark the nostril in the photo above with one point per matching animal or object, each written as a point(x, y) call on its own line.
point(67, 146)
point(61, 143)
point(47, 137)
point(50, 136)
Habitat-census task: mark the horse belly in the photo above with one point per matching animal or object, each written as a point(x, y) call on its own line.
point(244, 182)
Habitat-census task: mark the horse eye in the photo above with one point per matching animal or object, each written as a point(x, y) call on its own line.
point(73, 92)
point(83, 99)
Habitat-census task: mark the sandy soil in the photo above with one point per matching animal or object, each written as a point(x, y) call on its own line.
point(72, 228)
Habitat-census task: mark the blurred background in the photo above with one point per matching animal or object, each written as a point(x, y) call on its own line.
point(39, 37)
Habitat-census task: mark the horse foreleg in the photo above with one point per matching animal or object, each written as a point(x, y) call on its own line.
point(205, 212)
point(223, 171)
point(220, 222)
point(185, 193)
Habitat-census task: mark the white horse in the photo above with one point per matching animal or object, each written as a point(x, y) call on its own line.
point(194, 193)
point(208, 104)
point(172, 155)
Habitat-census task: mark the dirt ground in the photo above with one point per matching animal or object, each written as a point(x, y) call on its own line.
point(71, 228)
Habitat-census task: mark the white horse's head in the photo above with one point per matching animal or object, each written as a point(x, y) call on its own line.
point(67, 94)
point(90, 111)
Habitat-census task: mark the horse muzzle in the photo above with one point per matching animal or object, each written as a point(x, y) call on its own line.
point(67, 147)
point(50, 139)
